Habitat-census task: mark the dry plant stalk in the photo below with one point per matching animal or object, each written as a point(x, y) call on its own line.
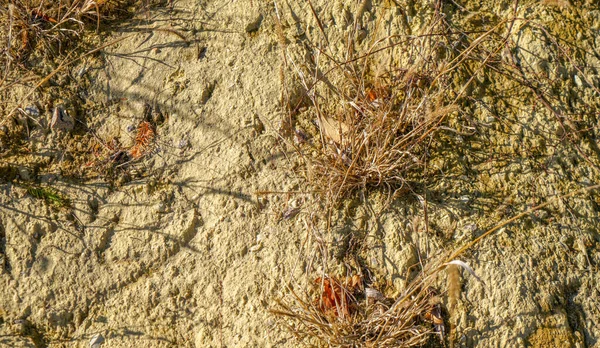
point(374, 129)
point(454, 286)
point(33, 24)
point(404, 323)
point(108, 156)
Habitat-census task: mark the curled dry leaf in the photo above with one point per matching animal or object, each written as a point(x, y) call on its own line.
point(37, 15)
point(353, 283)
point(290, 212)
point(434, 313)
point(373, 294)
point(336, 298)
point(333, 129)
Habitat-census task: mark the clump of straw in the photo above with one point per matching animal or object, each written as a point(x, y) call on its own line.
point(375, 122)
point(33, 30)
point(368, 319)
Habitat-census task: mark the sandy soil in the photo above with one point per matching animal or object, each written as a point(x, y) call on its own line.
point(188, 247)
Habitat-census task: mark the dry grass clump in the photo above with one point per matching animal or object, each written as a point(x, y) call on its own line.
point(378, 132)
point(366, 318)
point(376, 115)
point(34, 30)
point(344, 313)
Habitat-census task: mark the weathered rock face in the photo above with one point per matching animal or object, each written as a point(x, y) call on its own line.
point(191, 245)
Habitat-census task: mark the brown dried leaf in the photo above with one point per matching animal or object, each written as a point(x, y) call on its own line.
point(335, 299)
point(333, 129)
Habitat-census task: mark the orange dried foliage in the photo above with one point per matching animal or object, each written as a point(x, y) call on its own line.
point(143, 139)
point(377, 92)
point(336, 298)
point(371, 95)
point(24, 41)
point(37, 15)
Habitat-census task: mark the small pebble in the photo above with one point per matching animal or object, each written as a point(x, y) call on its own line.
point(290, 213)
point(96, 341)
point(61, 119)
point(256, 247)
point(374, 294)
point(82, 71)
point(207, 91)
point(160, 207)
point(183, 143)
point(296, 203)
point(25, 173)
point(21, 325)
point(32, 111)
point(361, 35)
